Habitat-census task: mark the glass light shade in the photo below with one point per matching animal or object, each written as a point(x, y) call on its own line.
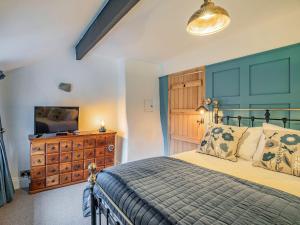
point(202, 109)
point(209, 19)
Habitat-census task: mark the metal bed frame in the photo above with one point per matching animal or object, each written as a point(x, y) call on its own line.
point(98, 205)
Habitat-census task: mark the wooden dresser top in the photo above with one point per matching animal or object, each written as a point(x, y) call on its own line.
point(80, 134)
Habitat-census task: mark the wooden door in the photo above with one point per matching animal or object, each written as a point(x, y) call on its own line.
point(186, 93)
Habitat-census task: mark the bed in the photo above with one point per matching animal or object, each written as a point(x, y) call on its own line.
point(192, 188)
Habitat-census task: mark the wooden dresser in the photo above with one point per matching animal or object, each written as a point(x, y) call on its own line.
point(57, 161)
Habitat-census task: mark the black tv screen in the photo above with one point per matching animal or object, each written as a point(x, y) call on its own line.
point(55, 119)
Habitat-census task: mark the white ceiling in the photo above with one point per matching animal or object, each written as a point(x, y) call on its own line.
point(154, 30)
point(32, 29)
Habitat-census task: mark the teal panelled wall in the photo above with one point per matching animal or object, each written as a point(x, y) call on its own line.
point(265, 80)
point(164, 103)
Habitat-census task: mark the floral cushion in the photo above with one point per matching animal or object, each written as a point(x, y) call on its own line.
point(222, 141)
point(281, 152)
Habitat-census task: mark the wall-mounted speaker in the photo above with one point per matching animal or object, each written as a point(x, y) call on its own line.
point(65, 87)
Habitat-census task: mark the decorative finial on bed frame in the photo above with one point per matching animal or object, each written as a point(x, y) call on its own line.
point(92, 180)
point(92, 171)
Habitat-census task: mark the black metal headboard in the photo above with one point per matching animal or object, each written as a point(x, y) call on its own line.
point(267, 116)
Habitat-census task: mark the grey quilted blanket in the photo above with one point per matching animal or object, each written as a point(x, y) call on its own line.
point(161, 191)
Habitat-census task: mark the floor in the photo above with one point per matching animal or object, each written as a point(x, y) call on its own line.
point(56, 207)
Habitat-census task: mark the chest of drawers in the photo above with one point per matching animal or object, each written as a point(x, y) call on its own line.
point(60, 161)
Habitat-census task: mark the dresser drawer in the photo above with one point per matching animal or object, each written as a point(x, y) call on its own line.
point(89, 143)
point(99, 152)
point(89, 153)
point(110, 139)
point(99, 168)
point(52, 158)
point(78, 175)
point(65, 157)
point(110, 150)
point(52, 181)
point(78, 144)
point(38, 172)
point(101, 141)
point(87, 162)
point(52, 170)
point(38, 160)
point(86, 174)
point(65, 178)
point(77, 165)
point(77, 155)
point(65, 146)
point(65, 167)
point(37, 148)
point(37, 184)
point(52, 148)
point(100, 162)
point(109, 161)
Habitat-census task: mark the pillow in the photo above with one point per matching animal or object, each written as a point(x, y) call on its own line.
point(261, 144)
point(281, 152)
point(249, 142)
point(222, 141)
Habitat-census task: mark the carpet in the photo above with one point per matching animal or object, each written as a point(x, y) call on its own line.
point(55, 207)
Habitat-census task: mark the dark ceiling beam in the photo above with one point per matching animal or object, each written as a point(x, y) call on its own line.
point(109, 16)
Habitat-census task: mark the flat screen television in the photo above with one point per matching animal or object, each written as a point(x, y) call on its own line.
point(54, 119)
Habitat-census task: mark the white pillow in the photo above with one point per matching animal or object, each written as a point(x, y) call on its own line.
point(249, 142)
point(262, 141)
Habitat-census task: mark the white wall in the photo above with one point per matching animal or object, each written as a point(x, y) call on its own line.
point(95, 91)
point(144, 128)
point(122, 141)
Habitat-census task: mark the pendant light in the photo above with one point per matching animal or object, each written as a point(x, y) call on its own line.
point(209, 19)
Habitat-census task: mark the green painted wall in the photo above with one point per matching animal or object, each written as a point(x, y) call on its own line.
point(265, 80)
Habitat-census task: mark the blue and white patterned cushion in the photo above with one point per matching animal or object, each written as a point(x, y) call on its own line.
point(222, 141)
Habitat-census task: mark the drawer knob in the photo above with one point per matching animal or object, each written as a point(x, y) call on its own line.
point(53, 148)
point(66, 178)
point(111, 148)
point(66, 146)
point(53, 171)
point(39, 161)
point(52, 181)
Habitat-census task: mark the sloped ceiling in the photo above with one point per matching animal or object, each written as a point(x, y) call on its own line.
point(32, 29)
point(154, 30)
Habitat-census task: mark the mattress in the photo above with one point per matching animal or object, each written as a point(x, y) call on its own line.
point(243, 169)
point(166, 190)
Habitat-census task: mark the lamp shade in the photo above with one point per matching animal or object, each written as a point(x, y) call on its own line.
point(202, 109)
point(209, 19)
